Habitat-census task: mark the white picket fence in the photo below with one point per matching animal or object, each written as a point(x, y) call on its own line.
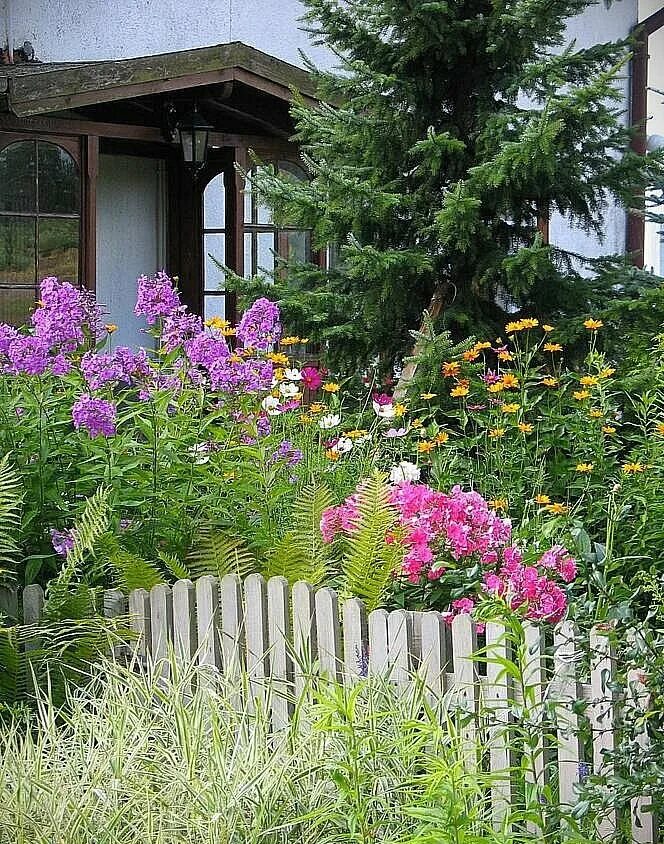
point(273, 635)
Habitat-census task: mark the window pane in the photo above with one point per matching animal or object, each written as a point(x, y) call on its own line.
point(265, 252)
point(17, 250)
point(58, 248)
point(214, 245)
point(18, 177)
point(215, 306)
point(293, 169)
point(297, 246)
point(59, 184)
point(16, 304)
point(214, 204)
point(249, 268)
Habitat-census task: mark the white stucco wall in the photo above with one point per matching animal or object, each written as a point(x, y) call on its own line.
point(76, 30)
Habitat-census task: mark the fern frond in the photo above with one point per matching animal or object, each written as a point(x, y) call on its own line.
point(301, 554)
point(11, 499)
point(91, 526)
point(369, 561)
point(217, 552)
point(133, 572)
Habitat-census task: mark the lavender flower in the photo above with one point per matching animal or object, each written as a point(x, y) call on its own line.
point(28, 354)
point(205, 350)
point(61, 365)
point(287, 453)
point(100, 369)
point(263, 425)
point(235, 376)
point(7, 334)
point(62, 541)
point(97, 416)
point(259, 327)
point(134, 364)
point(157, 297)
point(179, 327)
point(66, 315)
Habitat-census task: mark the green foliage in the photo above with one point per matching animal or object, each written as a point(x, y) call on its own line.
point(447, 132)
point(10, 516)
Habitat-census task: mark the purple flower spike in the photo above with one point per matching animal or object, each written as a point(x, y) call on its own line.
point(97, 416)
point(157, 297)
point(259, 327)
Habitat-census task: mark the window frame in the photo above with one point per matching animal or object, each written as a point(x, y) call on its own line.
point(74, 147)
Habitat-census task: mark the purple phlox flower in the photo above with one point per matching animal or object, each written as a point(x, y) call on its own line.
point(235, 376)
point(97, 416)
point(61, 365)
point(158, 382)
point(99, 369)
point(287, 453)
point(206, 349)
point(157, 297)
point(263, 425)
point(7, 334)
point(179, 327)
point(62, 541)
point(66, 315)
point(28, 354)
point(259, 327)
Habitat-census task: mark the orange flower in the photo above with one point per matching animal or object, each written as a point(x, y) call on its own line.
point(470, 355)
point(331, 454)
point(289, 341)
point(511, 327)
point(580, 395)
point(498, 503)
point(512, 407)
point(451, 368)
point(459, 392)
point(217, 322)
point(505, 355)
point(589, 381)
point(542, 499)
point(229, 332)
point(659, 429)
point(425, 446)
point(593, 324)
point(496, 433)
point(279, 358)
point(479, 347)
point(557, 509)
point(553, 347)
point(549, 382)
point(317, 407)
point(330, 387)
point(525, 427)
point(111, 328)
point(442, 437)
point(529, 323)
point(584, 468)
point(510, 381)
point(633, 468)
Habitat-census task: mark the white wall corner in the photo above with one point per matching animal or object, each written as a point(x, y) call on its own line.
point(4, 24)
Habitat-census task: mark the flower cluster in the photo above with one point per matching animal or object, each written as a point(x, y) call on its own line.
point(96, 416)
point(157, 298)
point(66, 315)
point(259, 327)
point(440, 532)
point(120, 366)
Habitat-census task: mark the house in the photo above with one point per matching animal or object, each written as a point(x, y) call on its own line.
point(93, 136)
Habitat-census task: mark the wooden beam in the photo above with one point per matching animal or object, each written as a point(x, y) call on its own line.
point(91, 163)
point(259, 122)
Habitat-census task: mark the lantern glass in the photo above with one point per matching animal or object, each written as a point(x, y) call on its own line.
point(194, 133)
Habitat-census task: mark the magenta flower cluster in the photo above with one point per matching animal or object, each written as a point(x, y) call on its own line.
point(101, 369)
point(439, 532)
point(67, 316)
point(259, 327)
point(157, 297)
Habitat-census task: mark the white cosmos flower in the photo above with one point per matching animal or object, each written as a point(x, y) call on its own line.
point(343, 445)
point(271, 405)
point(288, 389)
point(404, 471)
point(201, 453)
point(329, 421)
point(384, 411)
point(292, 375)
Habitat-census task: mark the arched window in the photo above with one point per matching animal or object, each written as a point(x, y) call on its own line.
point(261, 241)
point(40, 222)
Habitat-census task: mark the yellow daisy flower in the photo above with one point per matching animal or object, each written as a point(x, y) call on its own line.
point(633, 468)
point(330, 387)
point(512, 407)
point(584, 468)
point(593, 324)
point(496, 433)
point(459, 392)
point(580, 395)
point(542, 498)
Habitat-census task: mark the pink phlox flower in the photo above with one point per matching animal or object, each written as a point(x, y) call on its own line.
point(157, 297)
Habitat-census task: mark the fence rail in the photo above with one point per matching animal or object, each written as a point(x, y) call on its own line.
point(274, 635)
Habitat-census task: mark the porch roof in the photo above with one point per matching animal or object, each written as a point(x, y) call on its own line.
point(28, 90)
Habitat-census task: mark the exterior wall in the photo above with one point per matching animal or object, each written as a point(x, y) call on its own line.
point(654, 237)
point(79, 30)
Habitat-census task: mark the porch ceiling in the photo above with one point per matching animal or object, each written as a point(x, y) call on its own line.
point(39, 89)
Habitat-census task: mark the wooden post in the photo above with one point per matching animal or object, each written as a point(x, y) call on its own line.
point(355, 633)
point(329, 635)
point(602, 716)
point(281, 667)
point(207, 622)
point(305, 647)
point(256, 632)
point(496, 700)
point(140, 622)
point(161, 617)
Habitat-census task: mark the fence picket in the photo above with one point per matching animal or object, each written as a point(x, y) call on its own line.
point(328, 632)
point(161, 622)
point(115, 606)
point(281, 668)
point(497, 695)
point(602, 714)
point(643, 825)
point(305, 648)
point(464, 645)
point(400, 645)
point(185, 640)
point(257, 639)
point(378, 644)
point(567, 721)
point(533, 692)
point(433, 664)
point(207, 626)
point(355, 635)
point(140, 623)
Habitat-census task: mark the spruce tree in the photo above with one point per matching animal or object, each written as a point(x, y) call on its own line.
point(451, 130)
